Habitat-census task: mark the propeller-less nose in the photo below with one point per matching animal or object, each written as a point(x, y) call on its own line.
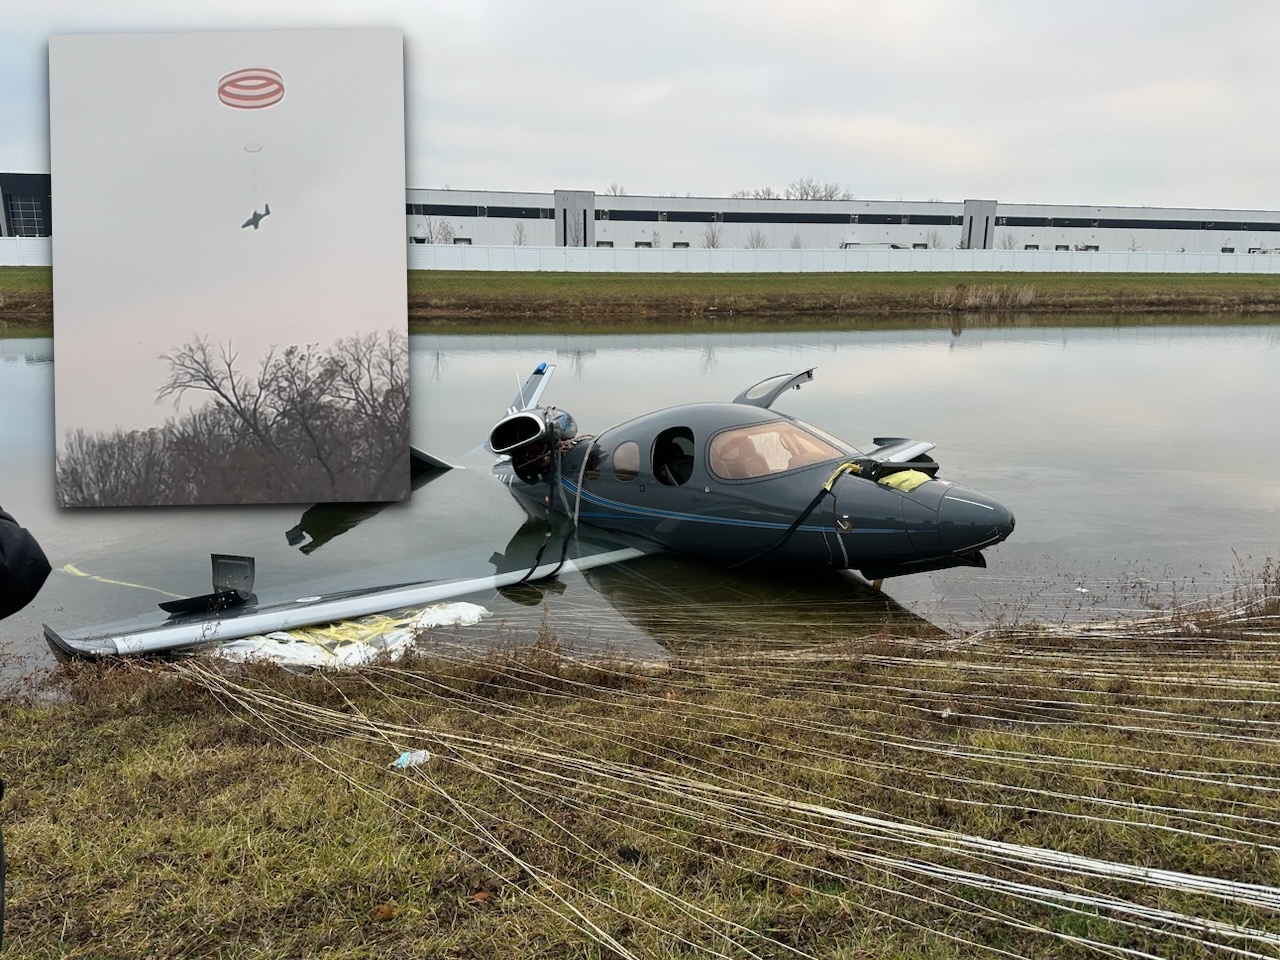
point(970, 520)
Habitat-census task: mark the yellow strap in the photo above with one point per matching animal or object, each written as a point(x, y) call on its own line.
point(847, 467)
point(75, 571)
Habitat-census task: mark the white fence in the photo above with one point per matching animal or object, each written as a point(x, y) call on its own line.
point(35, 252)
point(666, 260)
point(25, 252)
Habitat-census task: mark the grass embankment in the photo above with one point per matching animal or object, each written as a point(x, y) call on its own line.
point(470, 299)
point(26, 298)
point(577, 299)
point(878, 797)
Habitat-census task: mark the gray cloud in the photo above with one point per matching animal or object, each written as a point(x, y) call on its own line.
point(1083, 102)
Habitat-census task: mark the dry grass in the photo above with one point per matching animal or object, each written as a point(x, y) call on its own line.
point(573, 299)
point(872, 796)
point(516, 300)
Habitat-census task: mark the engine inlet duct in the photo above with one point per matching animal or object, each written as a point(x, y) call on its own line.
point(531, 431)
point(530, 437)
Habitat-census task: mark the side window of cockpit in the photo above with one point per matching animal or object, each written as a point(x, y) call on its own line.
point(626, 460)
point(673, 456)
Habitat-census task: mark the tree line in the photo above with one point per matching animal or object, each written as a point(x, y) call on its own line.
point(309, 425)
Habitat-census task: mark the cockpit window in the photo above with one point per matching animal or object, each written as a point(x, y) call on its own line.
point(673, 456)
point(626, 460)
point(767, 448)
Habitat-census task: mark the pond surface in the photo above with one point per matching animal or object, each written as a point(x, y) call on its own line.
point(1142, 462)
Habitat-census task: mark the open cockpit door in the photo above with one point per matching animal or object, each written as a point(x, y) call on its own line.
point(766, 391)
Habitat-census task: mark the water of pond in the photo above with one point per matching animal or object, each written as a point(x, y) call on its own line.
point(1142, 463)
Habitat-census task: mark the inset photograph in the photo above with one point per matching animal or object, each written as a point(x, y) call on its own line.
point(229, 274)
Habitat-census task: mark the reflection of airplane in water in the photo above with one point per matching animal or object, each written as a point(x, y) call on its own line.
point(257, 217)
point(321, 522)
point(693, 606)
point(730, 482)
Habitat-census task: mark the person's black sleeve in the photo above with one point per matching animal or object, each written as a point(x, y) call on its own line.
point(23, 566)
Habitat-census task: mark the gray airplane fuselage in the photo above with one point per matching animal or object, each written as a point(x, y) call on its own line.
point(668, 477)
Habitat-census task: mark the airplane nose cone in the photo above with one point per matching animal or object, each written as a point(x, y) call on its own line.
point(969, 520)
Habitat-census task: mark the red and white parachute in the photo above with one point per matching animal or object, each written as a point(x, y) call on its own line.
point(253, 88)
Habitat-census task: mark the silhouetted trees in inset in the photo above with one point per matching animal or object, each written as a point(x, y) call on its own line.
point(309, 425)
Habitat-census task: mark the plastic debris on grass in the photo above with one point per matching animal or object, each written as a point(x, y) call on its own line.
point(410, 758)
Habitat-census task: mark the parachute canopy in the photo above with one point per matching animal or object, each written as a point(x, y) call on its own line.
point(251, 89)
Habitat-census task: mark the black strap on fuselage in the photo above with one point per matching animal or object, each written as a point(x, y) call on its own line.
point(553, 488)
point(862, 467)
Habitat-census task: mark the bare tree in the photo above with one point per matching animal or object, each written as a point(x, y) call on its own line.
point(1008, 241)
point(372, 383)
point(444, 232)
point(934, 239)
point(756, 240)
point(759, 193)
point(113, 470)
point(617, 190)
point(797, 242)
point(194, 367)
point(713, 235)
point(1134, 245)
point(518, 235)
point(576, 238)
point(807, 188)
point(656, 239)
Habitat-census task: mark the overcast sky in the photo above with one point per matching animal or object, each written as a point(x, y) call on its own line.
point(1163, 103)
point(160, 175)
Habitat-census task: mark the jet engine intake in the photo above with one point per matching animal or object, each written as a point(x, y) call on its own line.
point(530, 427)
point(529, 438)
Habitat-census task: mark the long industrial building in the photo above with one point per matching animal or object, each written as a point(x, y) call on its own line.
point(583, 218)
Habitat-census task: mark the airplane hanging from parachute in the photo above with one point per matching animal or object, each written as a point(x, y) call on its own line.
point(252, 89)
point(737, 483)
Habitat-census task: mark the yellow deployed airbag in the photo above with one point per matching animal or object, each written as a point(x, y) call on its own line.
point(905, 480)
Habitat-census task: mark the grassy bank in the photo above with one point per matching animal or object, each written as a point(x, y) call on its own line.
point(582, 298)
point(26, 298)
point(469, 299)
point(883, 796)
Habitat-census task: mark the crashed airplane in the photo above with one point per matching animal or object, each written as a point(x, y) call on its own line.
point(736, 482)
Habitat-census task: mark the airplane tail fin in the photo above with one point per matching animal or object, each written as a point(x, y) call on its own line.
point(266, 209)
point(530, 391)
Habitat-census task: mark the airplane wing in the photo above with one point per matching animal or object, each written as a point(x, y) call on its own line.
point(288, 608)
point(431, 461)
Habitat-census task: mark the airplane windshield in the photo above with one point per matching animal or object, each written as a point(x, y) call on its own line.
point(767, 448)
